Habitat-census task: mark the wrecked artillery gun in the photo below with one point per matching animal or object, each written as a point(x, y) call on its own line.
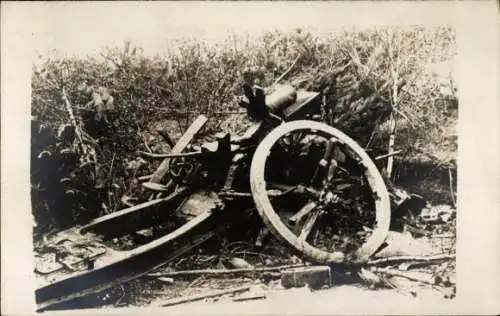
point(309, 182)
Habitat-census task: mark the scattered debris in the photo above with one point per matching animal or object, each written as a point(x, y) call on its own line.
point(403, 244)
point(249, 297)
point(412, 275)
point(438, 214)
point(371, 279)
point(203, 296)
point(400, 259)
point(239, 263)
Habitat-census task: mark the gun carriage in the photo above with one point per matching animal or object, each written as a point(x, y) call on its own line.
point(302, 176)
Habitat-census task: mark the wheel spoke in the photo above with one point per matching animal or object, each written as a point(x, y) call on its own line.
point(349, 152)
point(338, 154)
point(284, 145)
point(308, 226)
point(297, 189)
point(306, 209)
point(297, 137)
point(339, 187)
point(324, 162)
point(332, 168)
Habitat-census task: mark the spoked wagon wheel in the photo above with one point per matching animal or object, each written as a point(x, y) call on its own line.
point(342, 210)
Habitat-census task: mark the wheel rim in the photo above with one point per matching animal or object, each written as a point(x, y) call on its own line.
point(273, 221)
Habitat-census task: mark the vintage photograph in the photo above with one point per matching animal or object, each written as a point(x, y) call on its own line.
point(244, 168)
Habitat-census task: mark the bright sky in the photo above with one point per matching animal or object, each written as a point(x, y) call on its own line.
point(87, 27)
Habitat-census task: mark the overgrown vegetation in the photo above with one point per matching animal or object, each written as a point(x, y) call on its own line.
point(375, 83)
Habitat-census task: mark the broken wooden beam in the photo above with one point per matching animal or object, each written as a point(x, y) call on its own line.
point(179, 147)
point(396, 259)
point(131, 218)
point(131, 264)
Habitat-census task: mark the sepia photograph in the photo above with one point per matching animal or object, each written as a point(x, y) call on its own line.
point(206, 161)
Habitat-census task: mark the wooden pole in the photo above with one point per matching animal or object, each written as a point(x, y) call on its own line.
point(199, 297)
point(222, 271)
point(179, 147)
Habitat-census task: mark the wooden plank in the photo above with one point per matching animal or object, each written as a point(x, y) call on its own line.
point(179, 147)
point(128, 265)
point(129, 217)
point(207, 272)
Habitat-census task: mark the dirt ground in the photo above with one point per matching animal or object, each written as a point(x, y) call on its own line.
point(302, 301)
